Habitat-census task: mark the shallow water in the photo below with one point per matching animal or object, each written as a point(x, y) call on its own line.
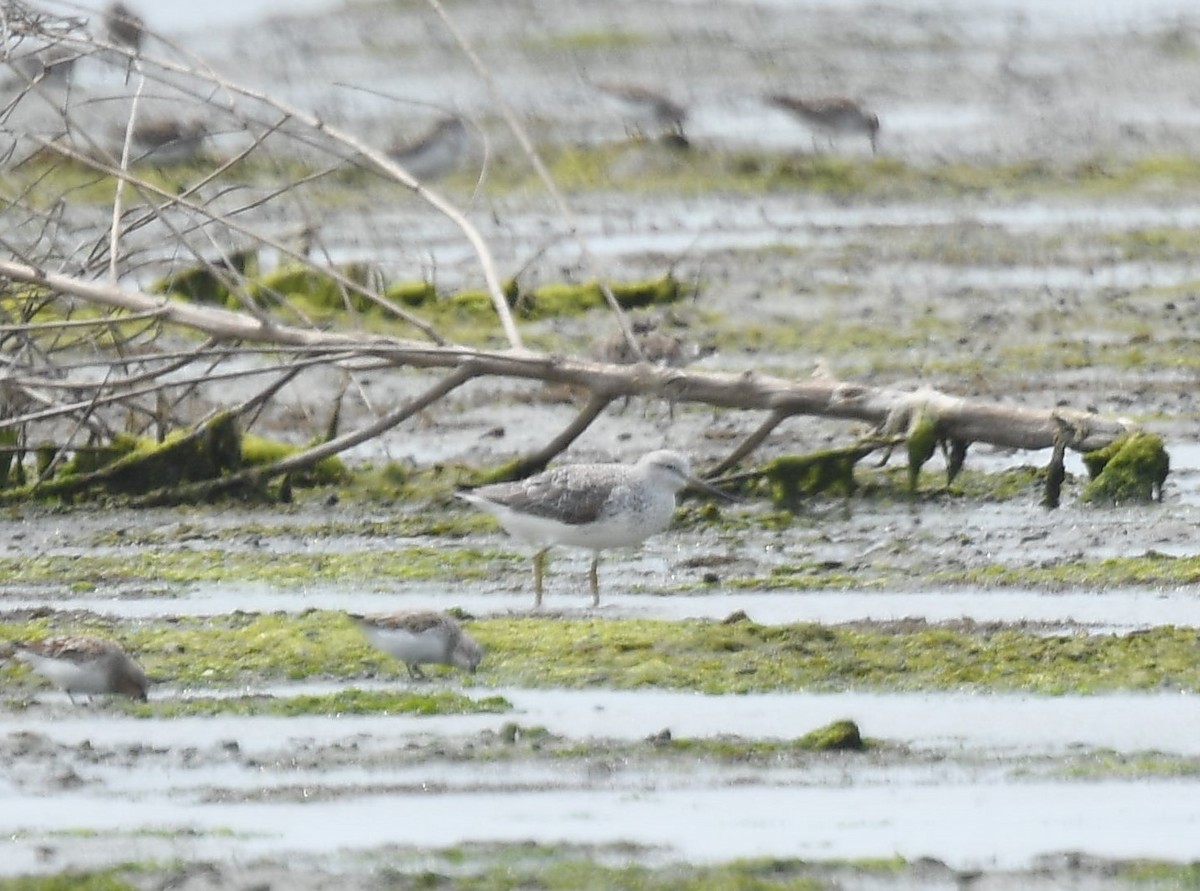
point(1012, 724)
point(1097, 612)
point(967, 826)
point(987, 810)
point(973, 789)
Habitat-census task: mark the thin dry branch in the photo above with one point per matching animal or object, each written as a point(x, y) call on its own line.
point(347, 140)
point(539, 167)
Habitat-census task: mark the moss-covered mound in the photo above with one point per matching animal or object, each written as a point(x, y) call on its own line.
point(1131, 469)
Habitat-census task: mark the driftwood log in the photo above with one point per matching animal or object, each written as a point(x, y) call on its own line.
point(922, 418)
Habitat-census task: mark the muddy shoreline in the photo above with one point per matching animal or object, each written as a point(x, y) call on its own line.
point(1076, 295)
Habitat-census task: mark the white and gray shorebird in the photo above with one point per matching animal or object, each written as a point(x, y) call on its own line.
point(590, 506)
point(421, 638)
point(84, 664)
point(831, 117)
point(435, 154)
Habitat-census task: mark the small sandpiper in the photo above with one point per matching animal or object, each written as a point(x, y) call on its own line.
point(165, 142)
point(435, 154)
point(832, 117)
point(591, 506)
point(646, 112)
point(123, 27)
point(84, 664)
point(658, 347)
point(421, 638)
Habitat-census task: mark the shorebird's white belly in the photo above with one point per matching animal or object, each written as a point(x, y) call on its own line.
point(619, 530)
point(408, 646)
point(77, 677)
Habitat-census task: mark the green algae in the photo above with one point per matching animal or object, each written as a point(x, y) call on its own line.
point(553, 300)
point(129, 465)
point(486, 866)
point(315, 289)
point(106, 880)
point(838, 736)
point(712, 657)
point(1110, 764)
point(1149, 570)
point(554, 874)
point(133, 466)
point(657, 169)
point(1131, 469)
point(708, 657)
point(150, 559)
point(790, 478)
point(1161, 244)
point(353, 701)
point(1158, 875)
point(587, 40)
point(258, 451)
point(210, 283)
point(244, 648)
point(443, 563)
point(921, 442)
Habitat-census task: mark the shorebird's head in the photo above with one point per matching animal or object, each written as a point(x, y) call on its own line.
point(468, 653)
point(129, 680)
point(675, 472)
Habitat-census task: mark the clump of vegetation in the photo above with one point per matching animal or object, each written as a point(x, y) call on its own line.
point(1131, 469)
point(209, 283)
point(130, 466)
point(791, 478)
point(839, 736)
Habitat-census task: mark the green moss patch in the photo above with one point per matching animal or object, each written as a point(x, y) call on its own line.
point(344, 702)
point(839, 736)
point(575, 874)
point(594, 40)
point(1156, 874)
point(107, 880)
point(1109, 764)
point(210, 283)
point(651, 168)
point(133, 466)
point(790, 478)
point(1131, 469)
point(709, 657)
point(718, 658)
point(449, 564)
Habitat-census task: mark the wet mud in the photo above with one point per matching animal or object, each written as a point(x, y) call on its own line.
point(1018, 295)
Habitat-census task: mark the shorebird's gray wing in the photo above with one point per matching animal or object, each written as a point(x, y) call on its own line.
point(78, 648)
point(574, 495)
point(415, 622)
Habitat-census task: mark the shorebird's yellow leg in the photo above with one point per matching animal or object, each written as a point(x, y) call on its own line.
point(539, 569)
point(594, 580)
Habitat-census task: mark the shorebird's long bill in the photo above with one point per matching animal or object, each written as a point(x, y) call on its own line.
point(700, 484)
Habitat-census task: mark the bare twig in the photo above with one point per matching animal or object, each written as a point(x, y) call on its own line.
point(543, 174)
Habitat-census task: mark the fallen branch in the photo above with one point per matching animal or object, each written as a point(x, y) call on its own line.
point(953, 417)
